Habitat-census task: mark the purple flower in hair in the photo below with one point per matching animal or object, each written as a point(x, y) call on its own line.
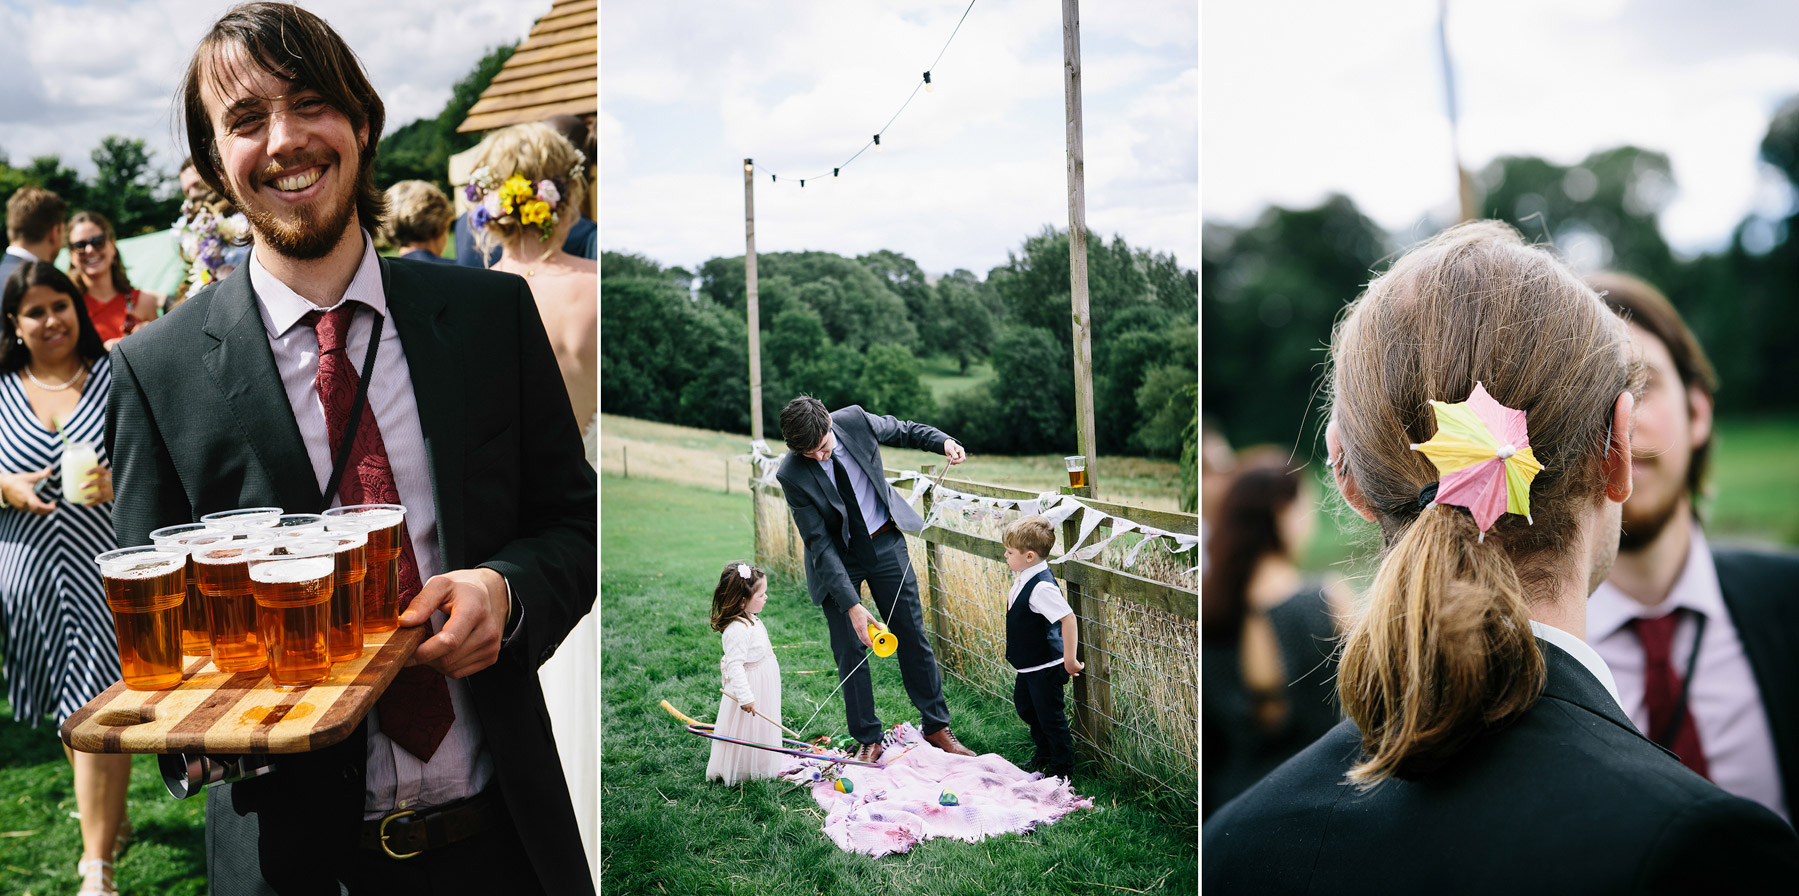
point(480, 217)
point(471, 192)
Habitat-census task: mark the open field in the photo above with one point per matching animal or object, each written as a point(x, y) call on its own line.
point(943, 376)
point(705, 459)
point(667, 830)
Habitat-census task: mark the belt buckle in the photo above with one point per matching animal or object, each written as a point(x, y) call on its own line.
point(382, 830)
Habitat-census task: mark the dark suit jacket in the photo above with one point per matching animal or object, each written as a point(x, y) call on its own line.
point(1758, 592)
point(198, 422)
point(1568, 798)
point(818, 510)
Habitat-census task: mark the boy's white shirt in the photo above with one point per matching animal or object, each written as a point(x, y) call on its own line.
point(1046, 601)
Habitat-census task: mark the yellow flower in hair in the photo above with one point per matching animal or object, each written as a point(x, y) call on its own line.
point(536, 211)
point(515, 192)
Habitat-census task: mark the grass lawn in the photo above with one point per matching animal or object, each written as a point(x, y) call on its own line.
point(943, 376)
point(669, 831)
point(705, 459)
point(39, 842)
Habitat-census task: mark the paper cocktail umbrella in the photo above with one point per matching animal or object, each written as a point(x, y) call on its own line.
point(1483, 452)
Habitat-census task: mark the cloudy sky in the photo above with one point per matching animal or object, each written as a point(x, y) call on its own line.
point(76, 72)
point(1303, 97)
point(966, 172)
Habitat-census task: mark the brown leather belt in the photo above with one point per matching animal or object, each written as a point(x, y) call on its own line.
point(404, 833)
point(886, 527)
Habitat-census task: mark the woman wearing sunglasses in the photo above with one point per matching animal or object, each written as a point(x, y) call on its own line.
point(94, 264)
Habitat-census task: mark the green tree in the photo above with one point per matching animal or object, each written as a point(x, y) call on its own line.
point(889, 384)
point(1167, 402)
point(656, 338)
point(963, 325)
point(1033, 390)
point(421, 149)
point(131, 194)
point(1600, 212)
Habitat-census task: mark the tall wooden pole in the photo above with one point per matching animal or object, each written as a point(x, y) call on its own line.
point(1464, 182)
point(1077, 240)
point(749, 278)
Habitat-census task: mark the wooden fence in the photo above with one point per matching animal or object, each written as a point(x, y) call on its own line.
point(1136, 704)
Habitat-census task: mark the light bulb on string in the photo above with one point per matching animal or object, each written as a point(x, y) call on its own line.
point(877, 143)
point(748, 166)
point(928, 88)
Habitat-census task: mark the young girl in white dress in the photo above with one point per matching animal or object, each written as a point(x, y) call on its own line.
point(752, 679)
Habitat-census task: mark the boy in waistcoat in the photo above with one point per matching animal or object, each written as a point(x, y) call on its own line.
point(1041, 639)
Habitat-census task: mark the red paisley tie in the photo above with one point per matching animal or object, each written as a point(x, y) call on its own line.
point(415, 709)
point(1661, 689)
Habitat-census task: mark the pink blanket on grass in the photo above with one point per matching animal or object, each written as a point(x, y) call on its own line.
point(889, 809)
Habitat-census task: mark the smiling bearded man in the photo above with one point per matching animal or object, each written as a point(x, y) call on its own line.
point(248, 394)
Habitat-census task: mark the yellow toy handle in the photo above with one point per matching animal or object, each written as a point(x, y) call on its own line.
point(682, 716)
point(882, 640)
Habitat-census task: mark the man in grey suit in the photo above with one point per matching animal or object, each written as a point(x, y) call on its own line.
point(851, 521)
point(35, 228)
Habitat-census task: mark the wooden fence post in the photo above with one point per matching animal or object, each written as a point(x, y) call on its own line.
point(1092, 690)
point(940, 644)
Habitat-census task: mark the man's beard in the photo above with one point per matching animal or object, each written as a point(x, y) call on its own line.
point(1644, 525)
point(304, 240)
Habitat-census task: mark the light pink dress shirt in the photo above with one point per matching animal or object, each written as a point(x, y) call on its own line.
point(395, 779)
point(1725, 701)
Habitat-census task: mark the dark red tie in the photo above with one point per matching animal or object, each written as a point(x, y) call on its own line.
point(415, 709)
point(1661, 691)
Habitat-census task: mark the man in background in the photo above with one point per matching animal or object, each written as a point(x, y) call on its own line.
point(1703, 641)
point(35, 228)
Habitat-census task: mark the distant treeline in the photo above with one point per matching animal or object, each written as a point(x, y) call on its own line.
point(1274, 288)
point(851, 330)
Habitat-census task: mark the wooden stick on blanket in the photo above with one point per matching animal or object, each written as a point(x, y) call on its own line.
point(759, 715)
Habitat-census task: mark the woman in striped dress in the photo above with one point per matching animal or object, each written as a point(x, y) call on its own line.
point(59, 645)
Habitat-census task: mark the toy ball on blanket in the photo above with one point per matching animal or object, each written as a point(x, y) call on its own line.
point(947, 798)
point(843, 785)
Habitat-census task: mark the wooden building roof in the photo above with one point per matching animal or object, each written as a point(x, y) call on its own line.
point(554, 72)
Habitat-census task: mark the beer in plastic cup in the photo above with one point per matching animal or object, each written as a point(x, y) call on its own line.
point(78, 462)
point(230, 603)
point(144, 589)
point(1077, 470)
point(384, 524)
point(345, 637)
point(292, 583)
point(243, 518)
point(196, 637)
point(299, 524)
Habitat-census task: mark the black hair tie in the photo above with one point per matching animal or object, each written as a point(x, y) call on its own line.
point(1426, 497)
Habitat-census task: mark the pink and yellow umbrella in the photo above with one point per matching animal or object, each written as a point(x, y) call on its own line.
point(1482, 450)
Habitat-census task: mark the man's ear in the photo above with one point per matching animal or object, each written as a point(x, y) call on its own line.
point(1617, 453)
point(1699, 415)
point(1333, 446)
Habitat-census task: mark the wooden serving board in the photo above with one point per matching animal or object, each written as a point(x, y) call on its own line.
point(225, 714)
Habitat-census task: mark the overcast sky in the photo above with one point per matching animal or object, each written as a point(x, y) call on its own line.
point(1303, 97)
point(966, 172)
point(74, 73)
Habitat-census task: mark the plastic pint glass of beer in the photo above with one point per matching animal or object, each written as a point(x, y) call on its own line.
point(225, 583)
point(292, 584)
point(1077, 470)
point(244, 518)
point(351, 551)
point(144, 588)
point(384, 524)
point(196, 631)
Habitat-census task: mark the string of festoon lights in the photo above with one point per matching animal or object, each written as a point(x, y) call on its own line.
point(924, 83)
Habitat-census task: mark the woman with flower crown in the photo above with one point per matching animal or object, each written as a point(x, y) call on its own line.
point(1480, 413)
point(528, 185)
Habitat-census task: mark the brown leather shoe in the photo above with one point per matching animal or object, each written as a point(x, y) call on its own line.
point(943, 739)
point(869, 752)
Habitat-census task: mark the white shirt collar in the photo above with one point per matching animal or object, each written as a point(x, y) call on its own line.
point(1025, 575)
point(1696, 589)
point(22, 254)
point(1582, 653)
point(286, 307)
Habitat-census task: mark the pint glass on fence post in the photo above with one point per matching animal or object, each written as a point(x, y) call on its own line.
point(225, 583)
point(292, 584)
point(384, 524)
point(196, 629)
point(1077, 470)
point(144, 588)
point(345, 637)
